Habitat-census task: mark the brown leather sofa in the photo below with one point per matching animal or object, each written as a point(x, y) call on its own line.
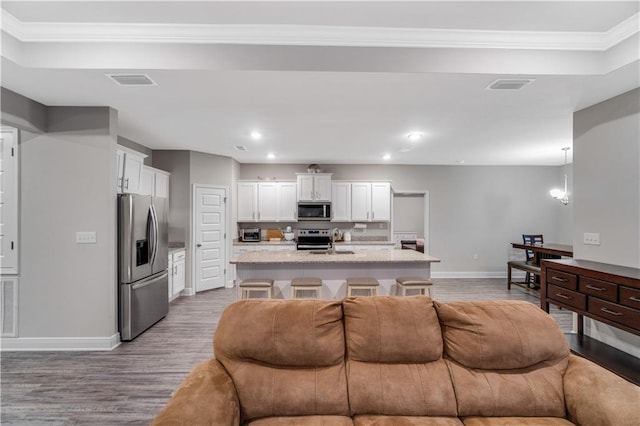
point(396, 361)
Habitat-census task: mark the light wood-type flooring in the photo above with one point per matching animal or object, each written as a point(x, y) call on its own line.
point(130, 384)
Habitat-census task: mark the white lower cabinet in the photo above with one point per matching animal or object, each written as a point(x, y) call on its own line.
point(176, 273)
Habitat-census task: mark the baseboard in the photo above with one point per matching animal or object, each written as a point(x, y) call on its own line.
point(188, 292)
point(473, 274)
point(60, 343)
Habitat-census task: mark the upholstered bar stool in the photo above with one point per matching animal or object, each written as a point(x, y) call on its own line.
point(306, 284)
point(362, 283)
point(403, 284)
point(260, 285)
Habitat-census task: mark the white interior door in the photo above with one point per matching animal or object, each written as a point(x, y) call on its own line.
point(209, 237)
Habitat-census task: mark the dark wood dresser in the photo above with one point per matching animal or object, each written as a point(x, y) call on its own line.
point(603, 292)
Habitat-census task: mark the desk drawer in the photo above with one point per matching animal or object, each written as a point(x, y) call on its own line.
point(567, 297)
point(562, 279)
point(630, 297)
point(615, 312)
point(600, 289)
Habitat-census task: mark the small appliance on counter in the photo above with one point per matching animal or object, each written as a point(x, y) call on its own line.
point(250, 234)
point(288, 233)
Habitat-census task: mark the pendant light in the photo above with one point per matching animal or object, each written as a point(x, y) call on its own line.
point(559, 194)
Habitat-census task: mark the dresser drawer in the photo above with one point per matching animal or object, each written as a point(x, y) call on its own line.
point(562, 279)
point(567, 297)
point(615, 312)
point(600, 289)
point(630, 297)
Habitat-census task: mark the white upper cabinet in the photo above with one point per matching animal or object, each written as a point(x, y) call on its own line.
point(161, 183)
point(147, 183)
point(287, 204)
point(341, 201)
point(154, 182)
point(267, 201)
point(381, 201)
point(129, 170)
point(370, 201)
point(314, 187)
point(247, 201)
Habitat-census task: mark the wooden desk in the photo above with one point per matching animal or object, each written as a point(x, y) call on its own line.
point(606, 293)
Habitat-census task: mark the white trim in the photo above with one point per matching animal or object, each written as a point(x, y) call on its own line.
point(188, 292)
point(60, 343)
point(14, 281)
point(317, 35)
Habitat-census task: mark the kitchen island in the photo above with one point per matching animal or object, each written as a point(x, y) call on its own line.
point(333, 269)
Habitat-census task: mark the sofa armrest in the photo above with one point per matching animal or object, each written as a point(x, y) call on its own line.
point(596, 396)
point(207, 396)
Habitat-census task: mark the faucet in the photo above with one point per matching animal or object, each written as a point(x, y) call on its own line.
point(334, 231)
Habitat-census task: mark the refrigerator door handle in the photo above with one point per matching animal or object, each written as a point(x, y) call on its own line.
point(154, 232)
point(149, 282)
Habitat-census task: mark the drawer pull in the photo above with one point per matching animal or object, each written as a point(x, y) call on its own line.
point(635, 299)
point(618, 314)
point(562, 280)
point(562, 296)
point(590, 287)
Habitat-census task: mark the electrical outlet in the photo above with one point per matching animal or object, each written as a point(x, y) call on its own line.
point(592, 238)
point(86, 237)
point(476, 257)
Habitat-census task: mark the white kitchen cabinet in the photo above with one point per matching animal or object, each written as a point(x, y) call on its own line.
point(341, 201)
point(129, 170)
point(314, 187)
point(287, 202)
point(266, 201)
point(176, 273)
point(370, 201)
point(154, 182)
point(247, 201)
point(9, 217)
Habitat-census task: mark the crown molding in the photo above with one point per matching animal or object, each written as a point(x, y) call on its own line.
point(300, 35)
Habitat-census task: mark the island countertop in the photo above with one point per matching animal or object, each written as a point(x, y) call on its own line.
point(307, 257)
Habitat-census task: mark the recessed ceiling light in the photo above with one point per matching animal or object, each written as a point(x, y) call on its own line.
point(415, 136)
point(271, 156)
point(386, 157)
point(255, 135)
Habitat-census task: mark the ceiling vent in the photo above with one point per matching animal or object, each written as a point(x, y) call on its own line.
point(132, 79)
point(509, 84)
point(240, 148)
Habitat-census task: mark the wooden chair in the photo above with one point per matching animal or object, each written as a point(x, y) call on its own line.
point(529, 266)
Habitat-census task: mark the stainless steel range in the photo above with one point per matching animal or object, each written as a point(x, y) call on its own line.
point(314, 239)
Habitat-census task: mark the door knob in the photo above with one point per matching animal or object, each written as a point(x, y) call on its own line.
point(198, 245)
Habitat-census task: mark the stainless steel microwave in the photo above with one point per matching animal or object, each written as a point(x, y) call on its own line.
point(250, 234)
point(314, 211)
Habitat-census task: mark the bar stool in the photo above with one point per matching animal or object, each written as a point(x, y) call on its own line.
point(306, 284)
point(261, 285)
point(413, 283)
point(362, 283)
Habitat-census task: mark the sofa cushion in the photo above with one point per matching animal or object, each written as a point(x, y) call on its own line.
point(512, 421)
point(370, 420)
point(394, 358)
point(500, 334)
point(506, 358)
point(303, 421)
point(285, 357)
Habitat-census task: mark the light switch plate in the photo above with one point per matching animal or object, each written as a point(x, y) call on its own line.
point(592, 238)
point(86, 237)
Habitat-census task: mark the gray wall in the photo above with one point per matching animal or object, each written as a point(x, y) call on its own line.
point(607, 193)
point(148, 161)
point(67, 175)
point(473, 209)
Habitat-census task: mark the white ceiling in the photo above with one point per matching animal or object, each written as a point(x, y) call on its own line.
point(331, 82)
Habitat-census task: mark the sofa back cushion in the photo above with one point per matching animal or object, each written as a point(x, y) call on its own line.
point(394, 358)
point(506, 358)
point(286, 357)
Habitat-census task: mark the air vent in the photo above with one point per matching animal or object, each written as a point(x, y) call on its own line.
point(515, 84)
point(132, 79)
point(240, 148)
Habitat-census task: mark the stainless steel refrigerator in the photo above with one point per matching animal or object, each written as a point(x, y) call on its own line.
point(143, 293)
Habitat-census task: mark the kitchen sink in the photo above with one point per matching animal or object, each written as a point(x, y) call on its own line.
point(331, 252)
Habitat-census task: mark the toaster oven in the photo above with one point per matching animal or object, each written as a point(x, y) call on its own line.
point(250, 234)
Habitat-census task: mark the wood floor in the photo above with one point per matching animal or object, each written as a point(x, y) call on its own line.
point(130, 384)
